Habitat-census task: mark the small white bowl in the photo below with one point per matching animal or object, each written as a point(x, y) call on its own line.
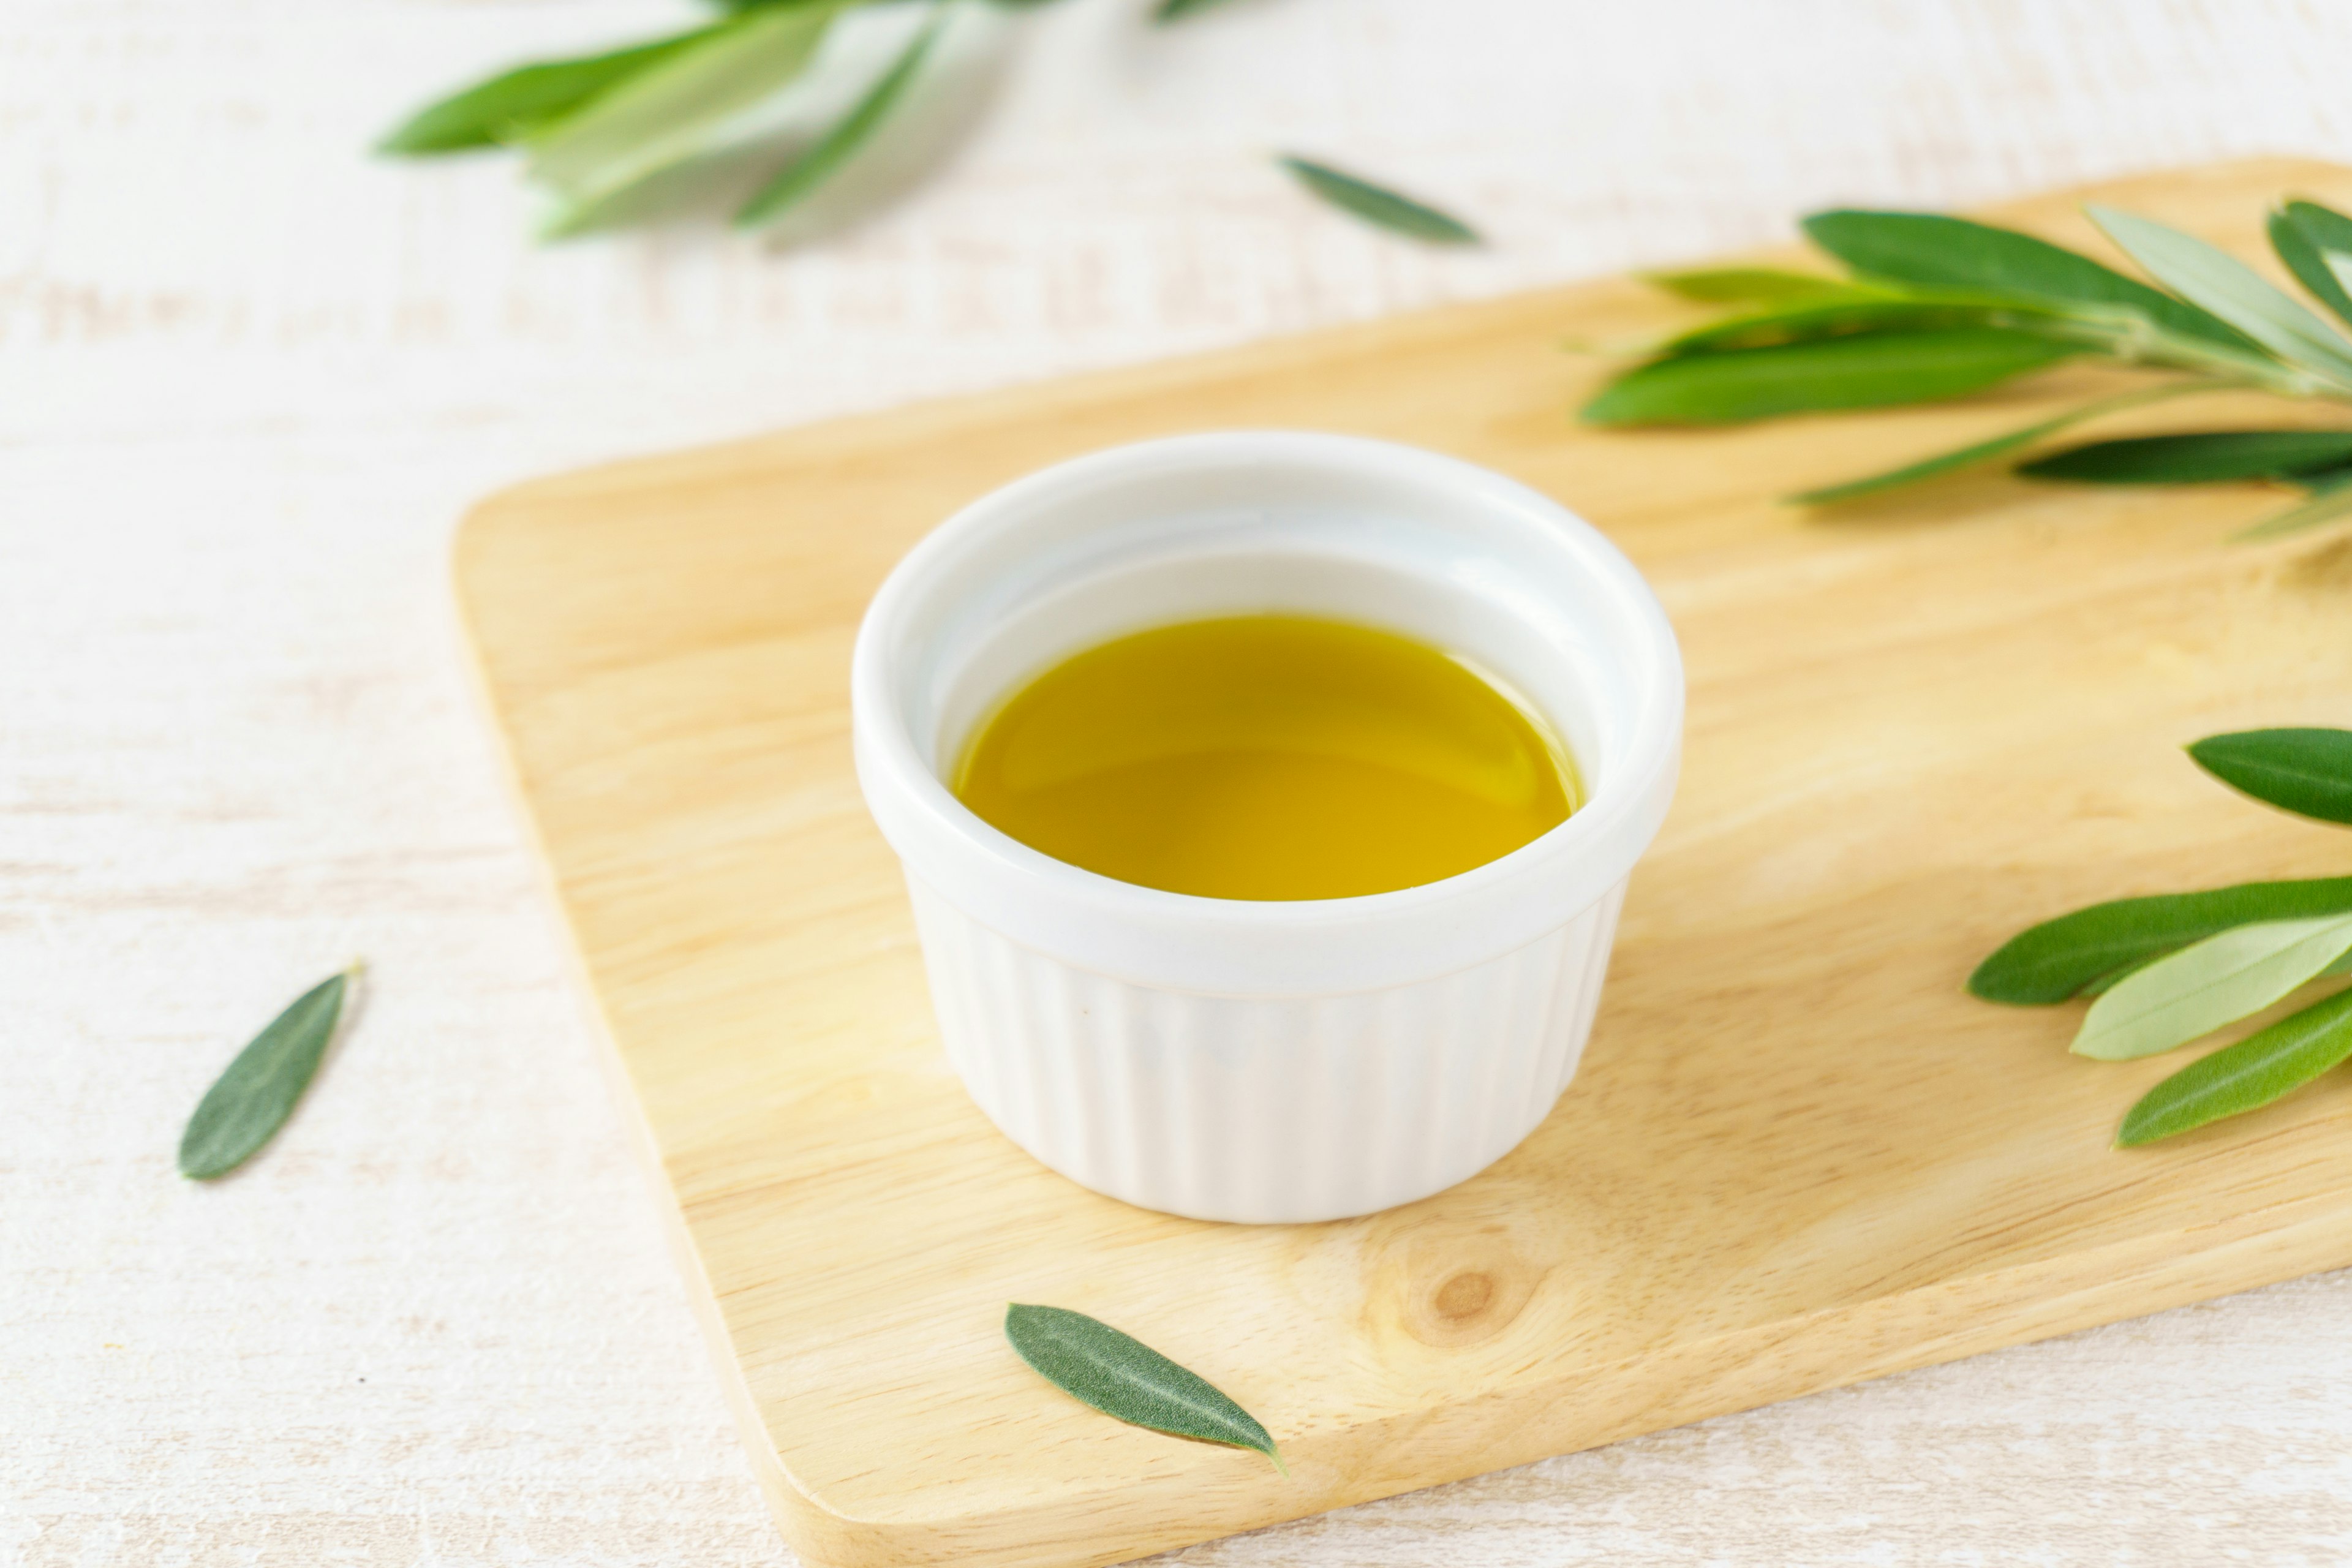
point(1266, 1061)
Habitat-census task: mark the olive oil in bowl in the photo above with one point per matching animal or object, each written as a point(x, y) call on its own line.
point(1267, 757)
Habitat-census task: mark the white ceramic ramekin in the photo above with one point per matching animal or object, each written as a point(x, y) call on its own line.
point(1264, 1061)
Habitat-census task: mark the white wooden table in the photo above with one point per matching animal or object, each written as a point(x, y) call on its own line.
point(249, 379)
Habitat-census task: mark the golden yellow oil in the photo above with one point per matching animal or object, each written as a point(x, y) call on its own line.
point(1266, 757)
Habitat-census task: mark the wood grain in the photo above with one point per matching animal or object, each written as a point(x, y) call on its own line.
point(1797, 1156)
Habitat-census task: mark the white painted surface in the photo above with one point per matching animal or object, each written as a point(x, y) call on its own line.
point(247, 380)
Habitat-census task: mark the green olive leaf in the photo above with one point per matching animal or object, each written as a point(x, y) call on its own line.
point(666, 114)
point(2228, 976)
point(2341, 966)
point(2060, 959)
point(1985, 451)
point(249, 1101)
point(2227, 288)
point(1870, 370)
point(2303, 234)
point(2339, 266)
point(1096, 1364)
point(1761, 286)
point(1377, 206)
point(2331, 499)
point(1941, 251)
point(2258, 1069)
point(2307, 771)
point(2204, 457)
point(1169, 11)
point(515, 104)
point(846, 135)
point(1809, 320)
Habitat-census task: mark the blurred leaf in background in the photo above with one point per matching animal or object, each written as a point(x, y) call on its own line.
point(608, 135)
point(1377, 206)
point(612, 136)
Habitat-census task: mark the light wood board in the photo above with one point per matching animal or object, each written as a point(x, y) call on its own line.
point(1797, 1154)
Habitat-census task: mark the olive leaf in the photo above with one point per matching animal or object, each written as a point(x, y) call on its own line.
point(1956, 253)
point(662, 116)
point(250, 1100)
point(2178, 966)
point(1866, 371)
point(2303, 234)
point(2307, 771)
point(507, 107)
point(1169, 11)
point(2060, 959)
point(1758, 285)
point(1985, 451)
point(847, 135)
point(2258, 1069)
point(1809, 319)
point(2341, 966)
point(2228, 976)
point(2204, 457)
point(1939, 306)
point(2331, 497)
point(1096, 1364)
point(2229, 288)
point(1377, 206)
point(613, 134)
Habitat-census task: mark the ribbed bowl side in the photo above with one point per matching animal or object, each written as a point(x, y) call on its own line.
point(1263, 1110)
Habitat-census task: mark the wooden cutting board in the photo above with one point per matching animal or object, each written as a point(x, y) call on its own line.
point(1797, 1154)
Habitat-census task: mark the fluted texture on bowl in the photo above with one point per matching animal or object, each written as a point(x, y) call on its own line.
point(1264, 1109)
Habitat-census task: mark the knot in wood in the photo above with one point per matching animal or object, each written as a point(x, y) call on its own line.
point(1465, 1296)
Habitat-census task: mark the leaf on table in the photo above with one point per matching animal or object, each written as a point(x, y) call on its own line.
point(249, 1101)
point(1985, 451)
point(667, 114)
point(1758, 285)
point(2339, 266)
point(1810, 321)
point(1096, 1364)
point(2229, 288)
point(2059, 959)
point(1169, 11)
point(2331, 499)
point(1870, 370)
point(2228, 976)
point(2264, 1065)
point(1938, 250)
point(2341, 966)
point(2204, 457)
point(841, 142)
point(517, 103)
point(2303, 233)
point(2307, 771)
point(1377, 205)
